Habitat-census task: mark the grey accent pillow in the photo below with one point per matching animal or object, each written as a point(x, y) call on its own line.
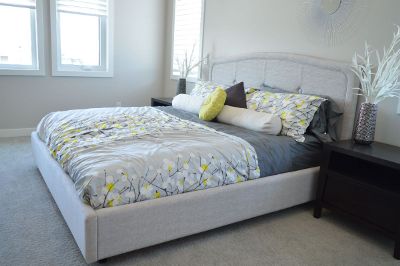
point(323, 125)
point(235, 96)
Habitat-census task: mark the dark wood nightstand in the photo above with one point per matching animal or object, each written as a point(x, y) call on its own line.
point(161, 101)
point(362, 182)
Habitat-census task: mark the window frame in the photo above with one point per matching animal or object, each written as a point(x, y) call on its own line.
point(37, 30)
point(177, 77)
point(106, 54)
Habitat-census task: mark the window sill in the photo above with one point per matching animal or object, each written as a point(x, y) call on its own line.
point(190, 80)
point(88, 74)
point(21, 72)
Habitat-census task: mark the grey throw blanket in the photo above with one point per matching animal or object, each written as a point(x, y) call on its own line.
point(276, 154)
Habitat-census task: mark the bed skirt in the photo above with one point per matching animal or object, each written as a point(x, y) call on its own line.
point(111, 231)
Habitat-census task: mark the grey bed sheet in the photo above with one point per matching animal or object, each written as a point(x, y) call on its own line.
point(276, 154)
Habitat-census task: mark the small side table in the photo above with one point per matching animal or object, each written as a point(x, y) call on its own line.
point(160, 101)
point(362, 182)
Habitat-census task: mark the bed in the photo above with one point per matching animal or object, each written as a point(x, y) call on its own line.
point(104, 232)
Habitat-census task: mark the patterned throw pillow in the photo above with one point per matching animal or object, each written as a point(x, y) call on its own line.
point(295, 110)
point(205, 88)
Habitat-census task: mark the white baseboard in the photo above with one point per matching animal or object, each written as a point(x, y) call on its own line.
point(16, 132)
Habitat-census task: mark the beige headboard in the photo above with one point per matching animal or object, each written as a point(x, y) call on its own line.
point(295, 73)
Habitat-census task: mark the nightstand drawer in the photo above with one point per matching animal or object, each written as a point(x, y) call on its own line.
point(366, 202)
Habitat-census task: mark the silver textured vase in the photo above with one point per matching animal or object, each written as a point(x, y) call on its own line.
point(181, 87)
point(366, 123)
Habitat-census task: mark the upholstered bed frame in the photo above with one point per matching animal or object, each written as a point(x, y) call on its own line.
point(111, 231)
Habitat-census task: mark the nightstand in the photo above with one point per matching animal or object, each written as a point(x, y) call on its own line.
point(161, 101)
point(362, 182)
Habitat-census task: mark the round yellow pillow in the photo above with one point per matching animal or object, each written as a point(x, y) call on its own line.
point(213, 104)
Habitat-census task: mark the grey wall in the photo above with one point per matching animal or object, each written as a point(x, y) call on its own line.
point(138, 67)
point(234, 27)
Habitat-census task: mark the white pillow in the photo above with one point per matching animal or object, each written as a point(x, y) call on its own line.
point(189, 103)
point(257, 121)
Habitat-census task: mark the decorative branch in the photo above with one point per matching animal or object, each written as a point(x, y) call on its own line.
point(385, 83)
point(187, 64)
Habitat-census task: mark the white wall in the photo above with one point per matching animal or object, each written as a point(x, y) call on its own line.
point(138, 68)
point(234, 27)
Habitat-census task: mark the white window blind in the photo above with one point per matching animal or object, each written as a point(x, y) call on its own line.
point(187, 34)
point(85, 7)
point(19, 3)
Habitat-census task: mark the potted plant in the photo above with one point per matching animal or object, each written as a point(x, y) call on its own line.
point(377, 84)
point(185, 66)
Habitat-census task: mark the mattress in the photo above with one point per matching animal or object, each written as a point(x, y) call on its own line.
point(117, 156)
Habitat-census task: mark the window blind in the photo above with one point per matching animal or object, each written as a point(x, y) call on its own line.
point(187, 33)
point(86, 7)
point(19, 3)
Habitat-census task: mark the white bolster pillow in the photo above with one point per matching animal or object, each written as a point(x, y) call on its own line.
point(189, 103)
point(257, 121)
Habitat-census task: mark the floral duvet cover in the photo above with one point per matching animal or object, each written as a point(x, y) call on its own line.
point(118, 156)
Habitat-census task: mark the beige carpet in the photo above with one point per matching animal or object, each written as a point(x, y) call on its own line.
point(33, 232)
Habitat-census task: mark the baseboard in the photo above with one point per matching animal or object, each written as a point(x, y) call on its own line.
point(16, 132)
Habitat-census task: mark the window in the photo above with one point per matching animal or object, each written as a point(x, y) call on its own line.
point(188, 31)
point(82, 38)
point(21, 49)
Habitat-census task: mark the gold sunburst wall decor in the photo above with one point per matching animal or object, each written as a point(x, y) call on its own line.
point(331, 22)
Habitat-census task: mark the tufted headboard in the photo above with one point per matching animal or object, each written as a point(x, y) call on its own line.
point(295, 73)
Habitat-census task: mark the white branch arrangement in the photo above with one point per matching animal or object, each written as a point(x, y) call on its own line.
point(384, 83)
point(187, 64)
